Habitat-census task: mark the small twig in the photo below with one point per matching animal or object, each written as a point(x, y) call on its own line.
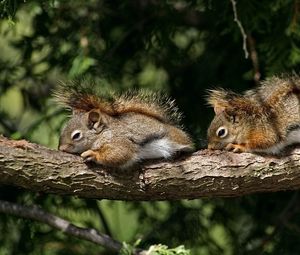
point(35, 213)
point(93, 204)
point(104, 221)
point(236, 19)
point(295, 17)
point(254, 59)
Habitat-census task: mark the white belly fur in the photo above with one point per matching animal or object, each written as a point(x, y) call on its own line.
point(160, 148)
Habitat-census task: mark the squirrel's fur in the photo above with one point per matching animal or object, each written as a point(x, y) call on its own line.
point(258, 120)
point(120, 130)
point(84, 96)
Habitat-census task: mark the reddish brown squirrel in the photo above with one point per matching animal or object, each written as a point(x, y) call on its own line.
point(120, 130)
point(265, 119)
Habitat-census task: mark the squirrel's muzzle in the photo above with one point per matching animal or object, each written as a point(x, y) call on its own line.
point(63, 147)
point(215, 146)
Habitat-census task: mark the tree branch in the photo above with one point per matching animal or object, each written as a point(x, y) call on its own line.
point(203, 174)
point(35, 213)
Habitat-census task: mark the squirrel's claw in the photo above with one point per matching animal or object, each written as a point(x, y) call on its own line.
point(237, 148)
point(89, 155)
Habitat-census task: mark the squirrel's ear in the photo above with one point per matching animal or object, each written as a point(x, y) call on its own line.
point(218, 100)
point(219, 108)
point(93, 118)
point(232, 115)
point(97, 120)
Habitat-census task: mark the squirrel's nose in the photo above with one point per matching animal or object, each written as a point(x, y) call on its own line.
point(63, 148)
point(212, 146)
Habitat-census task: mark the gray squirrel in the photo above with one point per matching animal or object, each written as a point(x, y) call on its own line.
point(120, 130)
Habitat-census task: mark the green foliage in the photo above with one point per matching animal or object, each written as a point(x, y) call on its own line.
point(177, 47)
point(163, 250)
point(126, 249)
point(158, 249)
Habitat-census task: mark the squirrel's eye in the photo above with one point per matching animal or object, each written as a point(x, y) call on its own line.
point(76, 135)
point(221, 132)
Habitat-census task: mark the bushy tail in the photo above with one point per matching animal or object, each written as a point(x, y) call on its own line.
point(275, 89)
point(83, 96)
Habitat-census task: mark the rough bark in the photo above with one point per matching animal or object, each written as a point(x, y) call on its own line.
point(202, 174)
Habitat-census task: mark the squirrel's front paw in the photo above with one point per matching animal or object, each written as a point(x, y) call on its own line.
point(236, 147)
point(89, 155)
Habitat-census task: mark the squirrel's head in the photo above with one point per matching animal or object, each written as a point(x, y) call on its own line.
point(224, 129)
point(80, 132)
point(231, 111)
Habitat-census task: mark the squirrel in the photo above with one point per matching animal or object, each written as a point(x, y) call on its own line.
point(262, 120)
point(120, 130)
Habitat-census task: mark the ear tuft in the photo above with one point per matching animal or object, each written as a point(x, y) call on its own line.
point(218, 99)
point(234, 105)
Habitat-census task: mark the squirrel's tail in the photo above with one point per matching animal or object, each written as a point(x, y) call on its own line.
point(82, 96)
point(275, 89)
point(148, 103)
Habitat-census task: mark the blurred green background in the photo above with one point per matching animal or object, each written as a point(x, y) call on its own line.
point(178, 47)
